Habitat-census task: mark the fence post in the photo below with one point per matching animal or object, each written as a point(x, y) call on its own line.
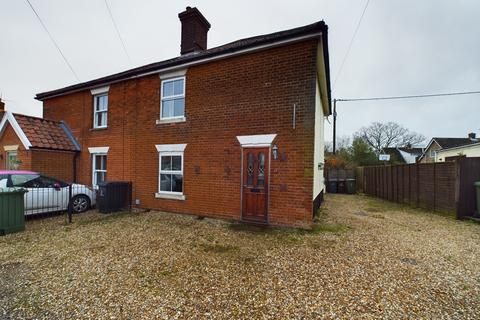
point(69, 203)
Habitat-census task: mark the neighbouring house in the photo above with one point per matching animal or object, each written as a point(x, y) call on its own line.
point(437, 145)
point(30, 143)
point(403, 155)
point(470, 151)
point(235, 131)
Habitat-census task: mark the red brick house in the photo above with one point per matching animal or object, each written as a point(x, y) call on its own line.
point(234, 131)
point(30, 143)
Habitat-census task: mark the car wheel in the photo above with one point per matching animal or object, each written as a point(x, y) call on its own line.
point(80, 203)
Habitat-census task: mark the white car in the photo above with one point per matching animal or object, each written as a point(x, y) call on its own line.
point(45, 194)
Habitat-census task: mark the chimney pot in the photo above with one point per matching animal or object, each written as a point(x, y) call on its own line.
point(194, 30)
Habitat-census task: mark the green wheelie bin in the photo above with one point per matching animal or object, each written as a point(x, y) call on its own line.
point(351, 186)
point(12, 211)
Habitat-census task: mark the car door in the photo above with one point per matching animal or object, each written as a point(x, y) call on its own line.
point(34, 197)
point(49, 193)
point(55, 194)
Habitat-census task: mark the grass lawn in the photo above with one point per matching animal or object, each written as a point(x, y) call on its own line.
point(364, 258)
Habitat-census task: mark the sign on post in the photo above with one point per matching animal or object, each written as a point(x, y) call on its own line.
point(384, 157)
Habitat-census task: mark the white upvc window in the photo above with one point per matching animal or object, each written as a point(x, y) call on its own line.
point(11, 160)
point(99, 168)
point(171, 173)
point(100, 110)
point(172, 104)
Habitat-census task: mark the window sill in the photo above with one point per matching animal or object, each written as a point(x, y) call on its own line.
point(170, 196)
point(98, 129)
point(174, 120)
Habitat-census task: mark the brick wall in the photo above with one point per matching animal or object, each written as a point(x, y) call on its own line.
point(245, 95)
point(55, 164)
point(10, 138)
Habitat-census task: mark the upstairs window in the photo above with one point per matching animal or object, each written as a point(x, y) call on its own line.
point(172, 99)
point(100, 110)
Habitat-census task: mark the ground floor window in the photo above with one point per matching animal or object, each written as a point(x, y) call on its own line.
point(99, 165)
point(171, 173)
point(12, 162)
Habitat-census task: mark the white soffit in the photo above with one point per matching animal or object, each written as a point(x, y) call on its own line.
point(260, 140)
point(100, 90)
point(171, 147)
point(173, 74)
point(98, 149)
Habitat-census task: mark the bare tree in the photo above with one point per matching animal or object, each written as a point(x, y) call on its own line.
point(384, 135)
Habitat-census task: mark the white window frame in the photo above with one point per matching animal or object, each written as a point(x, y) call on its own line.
point(94, 170)
point(96, 112)
point(7, 160)
point(162, 98)
point(160, 172)
point(170, 150)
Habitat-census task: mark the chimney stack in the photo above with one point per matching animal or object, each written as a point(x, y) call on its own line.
point(2, 105)
point(472, 136)
point(194, 30)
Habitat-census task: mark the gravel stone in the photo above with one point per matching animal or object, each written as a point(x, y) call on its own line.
point(393, 262)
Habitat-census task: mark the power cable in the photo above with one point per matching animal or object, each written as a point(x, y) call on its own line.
point(350, 45)
point(53, 40)
point(411, 96)
point(118, 32)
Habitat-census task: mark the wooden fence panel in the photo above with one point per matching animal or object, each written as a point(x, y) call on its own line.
point(446, 186)
point(359, 177)
point(426, 185)
point(444, 180)
point(414, 200)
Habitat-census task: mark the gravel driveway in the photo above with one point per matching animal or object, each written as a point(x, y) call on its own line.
point(365, 258)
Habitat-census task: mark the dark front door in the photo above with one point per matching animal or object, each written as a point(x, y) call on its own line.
point(255, 184)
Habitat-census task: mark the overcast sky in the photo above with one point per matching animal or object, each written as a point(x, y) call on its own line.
point(403, 47)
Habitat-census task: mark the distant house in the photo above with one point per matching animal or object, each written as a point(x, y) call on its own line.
point(444, 149)
point(403, 155)
point(30, 143)
point(470, 150)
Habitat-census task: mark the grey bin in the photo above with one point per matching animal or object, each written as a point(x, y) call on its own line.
point(114, 196)
point(332, 186)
